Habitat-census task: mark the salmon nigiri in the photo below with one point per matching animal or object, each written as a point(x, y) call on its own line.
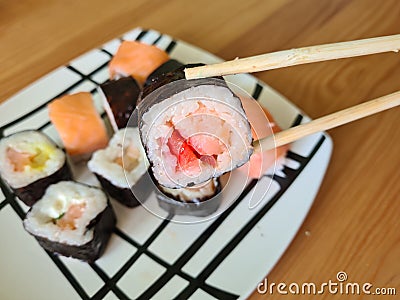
point(259, 117)
point(136, 59)
point(79, 125)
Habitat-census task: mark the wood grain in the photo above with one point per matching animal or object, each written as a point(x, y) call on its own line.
point(354, 224)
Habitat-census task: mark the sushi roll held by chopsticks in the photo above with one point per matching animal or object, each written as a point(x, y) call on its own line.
point(193, 131)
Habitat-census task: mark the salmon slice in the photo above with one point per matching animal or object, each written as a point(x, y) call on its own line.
point(18, 159)
point(79, 125)
point(206, 144)
point(259, 117)
point(136, 59)
point(74, 212)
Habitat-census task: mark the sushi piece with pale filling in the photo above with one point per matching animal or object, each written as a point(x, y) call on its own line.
point(72, 219)
point(195, 133)
point(30, 162)
point(199, 201)
point(121, 168)
point(194, 194)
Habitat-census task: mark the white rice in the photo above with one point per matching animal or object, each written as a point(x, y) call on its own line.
point(103, 161)
point(29, 142)
point(56, 201)
point(224, 119)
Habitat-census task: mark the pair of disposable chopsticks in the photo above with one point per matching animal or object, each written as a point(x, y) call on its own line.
point(307, 55)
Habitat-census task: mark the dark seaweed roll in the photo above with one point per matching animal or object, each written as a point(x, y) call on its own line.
point(121, 168)
point(119, 100)
point(30, 162)
point(72, 219)
point(161, 78)
point(159, 73)
point(199, 201)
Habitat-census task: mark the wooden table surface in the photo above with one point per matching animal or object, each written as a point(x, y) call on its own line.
point(354, 224)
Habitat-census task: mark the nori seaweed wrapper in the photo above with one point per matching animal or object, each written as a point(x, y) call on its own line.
point(196, 207)
point(130, 197)
point(165, 78)
point(31, 193)
point(169, 66)
point(122, 96)
point(103, 225)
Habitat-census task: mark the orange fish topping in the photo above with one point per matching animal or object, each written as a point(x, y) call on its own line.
point(136, 59)
point(74, 212)
point(78, 123)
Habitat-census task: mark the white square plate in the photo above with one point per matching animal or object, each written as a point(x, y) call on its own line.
point(148, 257)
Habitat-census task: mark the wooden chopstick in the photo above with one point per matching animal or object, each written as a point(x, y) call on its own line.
point(327, 122)
point(297, 56)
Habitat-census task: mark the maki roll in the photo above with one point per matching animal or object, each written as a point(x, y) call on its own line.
point(199, 201)
point(30, 162)
point(72, 219)
point(121, 168)
point(119, 100)
point(193, 131)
